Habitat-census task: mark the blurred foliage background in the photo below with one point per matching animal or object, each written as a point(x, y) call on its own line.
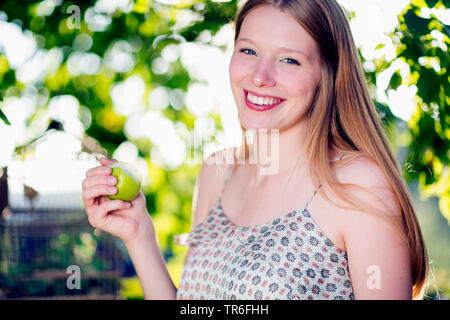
point(116, 74)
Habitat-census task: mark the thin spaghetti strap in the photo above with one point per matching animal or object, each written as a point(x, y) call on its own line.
point(320, 185)
point(310, 199)
point(228, 174)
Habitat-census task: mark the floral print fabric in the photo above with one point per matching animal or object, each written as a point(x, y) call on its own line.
point(287, 258)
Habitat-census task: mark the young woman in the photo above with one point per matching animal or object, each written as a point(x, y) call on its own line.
point(334, 222)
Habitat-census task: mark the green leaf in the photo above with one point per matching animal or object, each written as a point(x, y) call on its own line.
point(396, 81)
point(428, 85)
point(447, 30)
point(417, 25)
point(431, 3)
point(4, 118)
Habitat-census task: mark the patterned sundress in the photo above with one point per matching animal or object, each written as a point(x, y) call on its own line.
point(289, 257)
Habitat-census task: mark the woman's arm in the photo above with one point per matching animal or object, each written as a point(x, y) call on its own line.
point(130, 222)
point(378, 258)
point(145, 252)
point(150, 266)
point(379, 263)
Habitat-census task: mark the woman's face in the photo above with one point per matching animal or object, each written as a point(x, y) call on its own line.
point(274, 70)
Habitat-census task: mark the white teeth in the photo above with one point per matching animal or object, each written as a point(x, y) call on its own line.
point(261, 100)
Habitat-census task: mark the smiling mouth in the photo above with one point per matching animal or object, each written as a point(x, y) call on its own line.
point(259, 103)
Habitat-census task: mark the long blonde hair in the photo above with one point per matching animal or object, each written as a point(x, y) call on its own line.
point(343, 108)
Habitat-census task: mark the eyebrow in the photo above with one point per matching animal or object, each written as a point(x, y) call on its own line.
point(281, 48)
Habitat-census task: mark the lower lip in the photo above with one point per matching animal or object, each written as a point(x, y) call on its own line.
point(258, 107)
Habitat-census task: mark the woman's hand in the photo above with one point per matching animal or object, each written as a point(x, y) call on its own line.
point(125, 220)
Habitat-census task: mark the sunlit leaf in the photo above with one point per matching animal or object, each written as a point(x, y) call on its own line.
point(396, 81)
point(4, 118)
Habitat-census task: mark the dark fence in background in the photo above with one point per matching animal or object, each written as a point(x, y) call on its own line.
point(36, 249)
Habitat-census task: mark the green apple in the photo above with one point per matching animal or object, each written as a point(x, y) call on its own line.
point(128, 181)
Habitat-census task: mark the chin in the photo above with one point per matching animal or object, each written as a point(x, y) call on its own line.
point(253, 124)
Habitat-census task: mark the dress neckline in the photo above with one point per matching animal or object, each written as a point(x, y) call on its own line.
point(259, 225)
point(304, 211)
point(253, 228)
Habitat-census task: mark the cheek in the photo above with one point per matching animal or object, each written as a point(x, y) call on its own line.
point(237, 68)
point(304, 86)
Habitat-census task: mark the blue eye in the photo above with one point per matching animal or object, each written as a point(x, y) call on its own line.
point(292, 61)
point(247, 51)
point(251, 52)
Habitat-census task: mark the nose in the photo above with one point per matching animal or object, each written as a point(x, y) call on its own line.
point(263, 74)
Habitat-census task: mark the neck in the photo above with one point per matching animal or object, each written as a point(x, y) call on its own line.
point(276, 152)
point(279, 153)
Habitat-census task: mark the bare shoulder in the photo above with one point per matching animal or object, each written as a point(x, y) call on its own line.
point(362, 171)
point(209, 183)
point(372, 241)
point(367, 184)
point(370, 184)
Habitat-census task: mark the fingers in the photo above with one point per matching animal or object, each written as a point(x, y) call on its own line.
point(105, 162)
point(98, 183)
point(98, 171)
point(98, 191)
point(120, 226)
point(99, 179)
point(103, 169)
point(102, 212)
point(99, 217)
point(113, 205)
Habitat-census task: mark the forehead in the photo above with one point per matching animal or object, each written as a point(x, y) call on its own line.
point(277, 28)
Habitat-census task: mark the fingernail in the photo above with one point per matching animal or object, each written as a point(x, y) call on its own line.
point(127, 204)
point(112, 179)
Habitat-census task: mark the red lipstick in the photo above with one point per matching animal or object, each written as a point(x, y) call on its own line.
point(259, 107)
